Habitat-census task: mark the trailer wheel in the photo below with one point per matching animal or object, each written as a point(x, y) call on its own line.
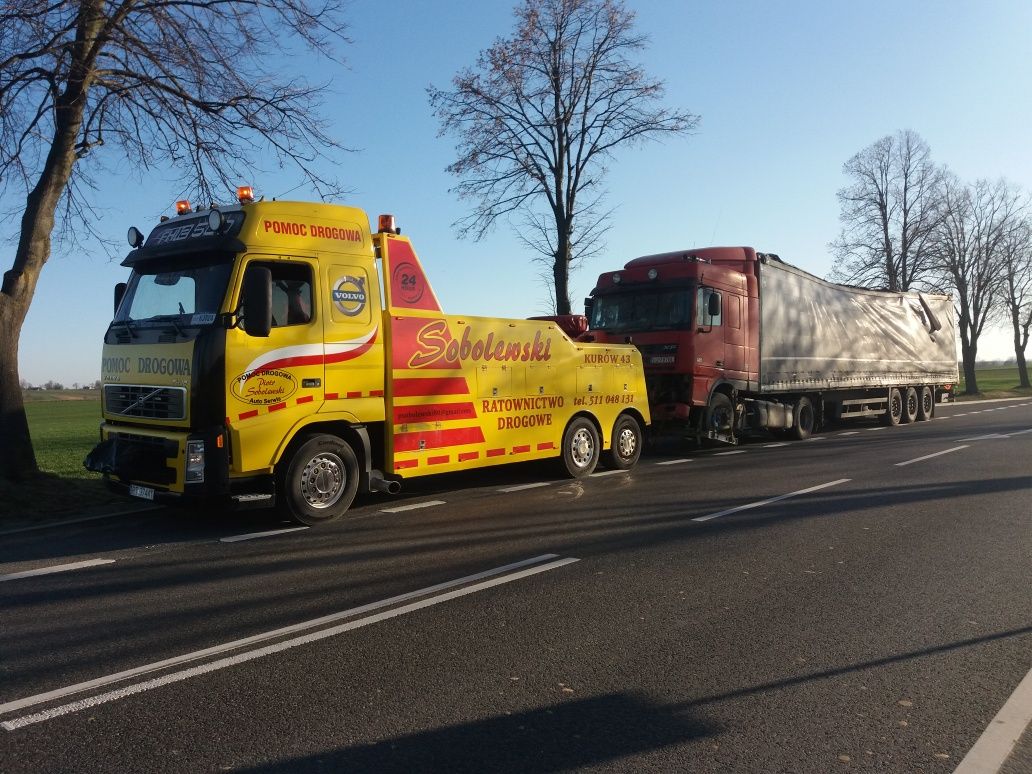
point(803, 419)
point(893, 411)
point(926, 406)
point(910, 406)
point(580, 447)
point(627, 443)
point(320, 481)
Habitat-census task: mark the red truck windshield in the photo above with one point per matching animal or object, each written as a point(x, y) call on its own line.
point(643, 310)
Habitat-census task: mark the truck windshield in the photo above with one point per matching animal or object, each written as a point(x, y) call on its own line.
point(650, 310)
point(188, 294)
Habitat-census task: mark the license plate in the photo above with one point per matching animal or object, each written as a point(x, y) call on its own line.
point(141, 491)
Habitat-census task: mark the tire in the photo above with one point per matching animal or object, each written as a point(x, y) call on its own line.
point(910, 406)
point(894, 409)
point(626, 444)
point(720, 417)
point(925, 404)
point(803, 419)
point(581, 447)
point(320, 481)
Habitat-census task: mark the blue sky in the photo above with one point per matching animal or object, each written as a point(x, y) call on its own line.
point(787, 93)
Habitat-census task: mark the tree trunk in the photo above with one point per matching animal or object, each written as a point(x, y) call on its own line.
point(561, 273)
point(968, 352)
point(17, 460)
point(1019, 349)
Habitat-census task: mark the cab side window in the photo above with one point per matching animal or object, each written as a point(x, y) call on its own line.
point(708, 301)
point(291, 292)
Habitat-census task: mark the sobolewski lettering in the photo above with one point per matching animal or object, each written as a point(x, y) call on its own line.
point(435, 344)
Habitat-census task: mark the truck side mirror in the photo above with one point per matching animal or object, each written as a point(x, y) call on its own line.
point(589, 304)
point(119, 295)
point(257, 301)
point(713, 305)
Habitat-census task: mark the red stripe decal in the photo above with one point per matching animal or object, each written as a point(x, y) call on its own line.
point(543, 446)
point(495, 452)
point(277, 407)
point(464, 456)
point(520, 449)
point(376, 393)
point(437, 439)
point(331, 396)
point(439, 460)
point(425, 386)
point(249, 414)
point(305, 399)
point(354, 395)
point(435, 412)
point(402, 464)
point(303, 360)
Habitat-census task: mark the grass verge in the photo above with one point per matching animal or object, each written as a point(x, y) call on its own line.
point(997, 382)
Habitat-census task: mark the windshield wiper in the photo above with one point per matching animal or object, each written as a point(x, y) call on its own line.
point(127, 323)
point(170, 318)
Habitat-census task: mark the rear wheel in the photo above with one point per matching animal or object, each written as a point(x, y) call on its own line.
point(803, 419)
point(580, 447)
point(627, 443)
point(926, 404)
point(894, 410)
point(320, 481)
point(910, 406)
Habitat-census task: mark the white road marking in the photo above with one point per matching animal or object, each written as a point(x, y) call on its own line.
point(413, 506)
point(929, 456)
point(1019, 432)
point(851, 432)
point(253, 535)
point(55, 568)
point(985, 437)
point(672, 462)
point(879, 427)
point(1001, 735)
point(608, 473)
point(215, 650)
point(771, 500)
point(774, 445)
point(728, 454)
point(816, 438)
point(961, 415)
point(521, 487)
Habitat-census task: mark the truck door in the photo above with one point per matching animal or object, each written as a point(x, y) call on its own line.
point(735, 338)
point(709, 342)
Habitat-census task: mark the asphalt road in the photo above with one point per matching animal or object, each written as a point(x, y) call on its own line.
point(859, 601)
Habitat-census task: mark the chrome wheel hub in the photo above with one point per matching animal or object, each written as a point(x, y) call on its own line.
point(323, 480)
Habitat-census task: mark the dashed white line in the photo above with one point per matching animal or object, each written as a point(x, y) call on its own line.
point(929, 456)
point(174, 677)
point(608, 473)
point(255, 535)
point(521, 487)
point(1001, 735)
point(879, 427)
point(728, 454)
point(774, 445)
point(851, 432)
point(961, 415)
point(55, 569)
point(816, 438)
point(771, 500)
point(672, 462)
point(413, 506)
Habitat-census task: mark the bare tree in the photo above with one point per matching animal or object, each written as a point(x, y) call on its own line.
point(889, 212)
point(970, 251)
point(538, 118)
point(1017, 286)
point(167, 83)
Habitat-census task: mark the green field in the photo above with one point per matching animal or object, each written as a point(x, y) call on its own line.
point(996, 382)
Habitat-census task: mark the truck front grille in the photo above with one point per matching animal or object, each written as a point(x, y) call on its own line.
point(145, 401)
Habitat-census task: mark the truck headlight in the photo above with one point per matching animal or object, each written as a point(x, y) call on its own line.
point(194, 461)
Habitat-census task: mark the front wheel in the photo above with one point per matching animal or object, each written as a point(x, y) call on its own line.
point(580, 447)
point(627, 443)
point(320, 481)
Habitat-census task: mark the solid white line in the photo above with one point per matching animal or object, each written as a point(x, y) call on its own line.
point(774, 445)
point(929, 456)
point(413, 506)
point(728, 454)
point(240, 658)
point(771, 500)
point(1019, 432)
point(961, 415)
point(253, 535)
point(608, 473)
point(851, 432)
point(1001, 735)
point(521, 487)
point(672, 462)
point(55, 568)
point(100, 682)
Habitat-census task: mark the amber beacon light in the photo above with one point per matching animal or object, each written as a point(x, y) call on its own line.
point(245, 194)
